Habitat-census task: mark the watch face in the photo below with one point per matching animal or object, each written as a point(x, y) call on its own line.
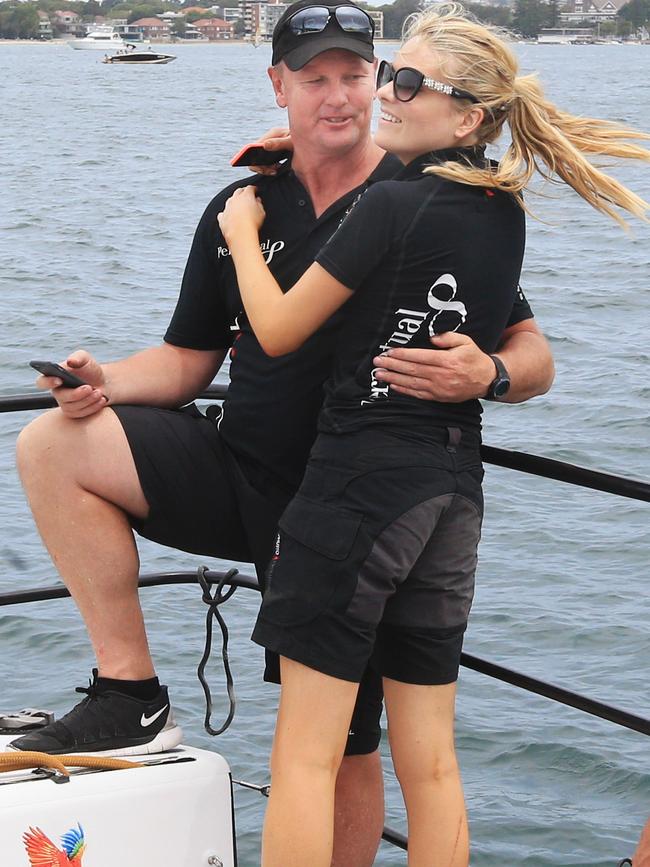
point(500, 387)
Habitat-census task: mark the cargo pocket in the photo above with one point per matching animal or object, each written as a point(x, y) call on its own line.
point(308, 568)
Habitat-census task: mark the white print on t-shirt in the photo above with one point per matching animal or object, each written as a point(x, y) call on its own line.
point(409, 323)
point(269, 248)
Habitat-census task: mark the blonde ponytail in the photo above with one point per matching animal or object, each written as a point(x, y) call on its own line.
point(475, 58)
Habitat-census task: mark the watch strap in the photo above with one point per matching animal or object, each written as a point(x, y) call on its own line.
point(501, 383)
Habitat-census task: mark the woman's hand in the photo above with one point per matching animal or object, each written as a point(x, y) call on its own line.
point(242, 216)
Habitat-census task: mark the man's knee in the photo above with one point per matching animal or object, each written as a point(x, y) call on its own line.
point(365, 728)
point(359, 811)
point(91, 453)
point(360, 771)
point(37, 440)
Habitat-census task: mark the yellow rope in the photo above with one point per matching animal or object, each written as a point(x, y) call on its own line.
point(20, 760)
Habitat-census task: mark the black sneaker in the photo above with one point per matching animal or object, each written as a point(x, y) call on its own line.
point(108, 723)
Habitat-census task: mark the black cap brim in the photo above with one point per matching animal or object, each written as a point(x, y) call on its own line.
point(316, 44)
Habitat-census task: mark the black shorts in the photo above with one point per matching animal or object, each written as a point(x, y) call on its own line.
point(376, 556)
point(205, 500)
point(202, 498)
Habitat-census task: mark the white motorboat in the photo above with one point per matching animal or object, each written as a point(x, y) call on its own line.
point(129, 54)
point(100, 39)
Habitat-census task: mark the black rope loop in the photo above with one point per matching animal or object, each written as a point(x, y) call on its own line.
point(213, 600)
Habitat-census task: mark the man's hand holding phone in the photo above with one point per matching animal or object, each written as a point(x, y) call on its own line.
point(75, 401)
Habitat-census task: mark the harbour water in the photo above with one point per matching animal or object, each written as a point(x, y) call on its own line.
point(105, 173)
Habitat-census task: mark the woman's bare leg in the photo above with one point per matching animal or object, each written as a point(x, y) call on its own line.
point(421, 735)
point(310, 736)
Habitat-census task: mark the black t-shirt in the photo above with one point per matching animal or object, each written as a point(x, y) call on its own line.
point(272, 407)
point(424, 255)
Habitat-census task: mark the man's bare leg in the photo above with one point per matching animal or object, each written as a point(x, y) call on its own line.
point(81, 483)
point(358, 811)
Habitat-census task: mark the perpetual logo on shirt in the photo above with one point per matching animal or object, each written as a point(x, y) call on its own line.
point(443, 313)
point(269, 248)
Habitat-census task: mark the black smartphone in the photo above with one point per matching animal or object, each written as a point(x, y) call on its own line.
point(49, 368)
point(255, 154)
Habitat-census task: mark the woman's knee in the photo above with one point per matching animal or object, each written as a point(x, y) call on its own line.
point(434, 769)
point(302, 756)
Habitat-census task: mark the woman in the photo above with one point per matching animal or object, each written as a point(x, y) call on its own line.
point(376, 553)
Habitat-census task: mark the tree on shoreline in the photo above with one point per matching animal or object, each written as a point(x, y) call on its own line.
point(637, 12)
point(530, 16)
point(18, 21)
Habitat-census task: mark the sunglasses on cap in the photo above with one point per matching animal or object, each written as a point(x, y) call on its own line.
point(314, 19)
point(408, 82)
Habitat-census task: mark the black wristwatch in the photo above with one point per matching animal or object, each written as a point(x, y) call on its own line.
point(500, 385)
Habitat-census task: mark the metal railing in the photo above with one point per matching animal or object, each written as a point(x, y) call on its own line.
point(520, 461)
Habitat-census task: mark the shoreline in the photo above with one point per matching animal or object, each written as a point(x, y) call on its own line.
point(149, 42)
point(201, 42)
point(197, 42)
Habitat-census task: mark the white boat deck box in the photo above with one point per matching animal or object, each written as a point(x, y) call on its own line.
point(175, 812)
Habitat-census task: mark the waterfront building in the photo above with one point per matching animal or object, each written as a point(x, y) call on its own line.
point(67, 23)
point(590, 11)
point(378, 18)
point(128, 32)
point(153, 28)
point(215, 28)
point(44, 26)
point(565, 35)
point(232, 14)
point(273, 13)
point(192, 33)
point(254, 14)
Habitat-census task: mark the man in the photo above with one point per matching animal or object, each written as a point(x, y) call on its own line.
point(119, 455)
point(641, 857)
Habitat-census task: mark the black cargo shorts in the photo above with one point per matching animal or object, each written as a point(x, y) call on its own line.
point(376, 555)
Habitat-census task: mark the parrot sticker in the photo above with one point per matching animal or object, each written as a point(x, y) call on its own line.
point(42, 852)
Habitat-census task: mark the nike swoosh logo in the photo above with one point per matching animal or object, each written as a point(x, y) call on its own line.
point(147, 720)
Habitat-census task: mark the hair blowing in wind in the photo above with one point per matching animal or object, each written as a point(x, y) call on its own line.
point(476, 58)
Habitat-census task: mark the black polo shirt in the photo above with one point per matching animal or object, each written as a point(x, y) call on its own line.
point(424, 255)
point(272, 406)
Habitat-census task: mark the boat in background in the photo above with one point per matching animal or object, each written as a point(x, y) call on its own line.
point(129, 54)
point(99, 39)
point(129, 34)
point(255, 39)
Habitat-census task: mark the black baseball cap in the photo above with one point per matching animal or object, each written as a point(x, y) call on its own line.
point(297, 46)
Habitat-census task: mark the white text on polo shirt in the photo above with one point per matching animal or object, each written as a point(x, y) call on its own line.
point(410, 322)
point(269, 248)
